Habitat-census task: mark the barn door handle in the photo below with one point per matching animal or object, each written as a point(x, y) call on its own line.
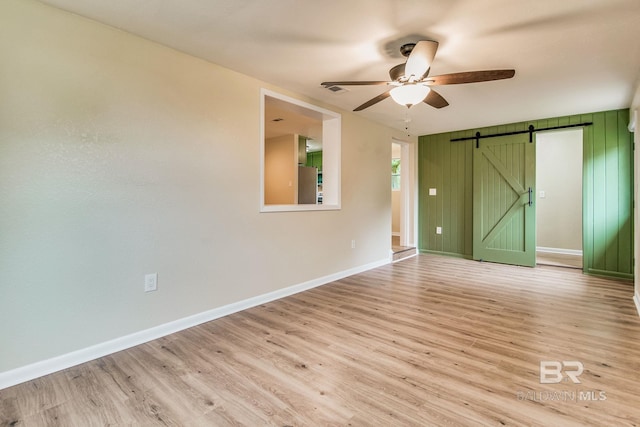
point(530, 201)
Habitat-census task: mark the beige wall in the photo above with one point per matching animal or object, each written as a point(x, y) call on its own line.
point(559, 175)
point(395, 212)
point(280, 170)
point(120, 157)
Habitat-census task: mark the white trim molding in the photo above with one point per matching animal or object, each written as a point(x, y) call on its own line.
point(558, 251)
point(45, 367)
point(636, 299)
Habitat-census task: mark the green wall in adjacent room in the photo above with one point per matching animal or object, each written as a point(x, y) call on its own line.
point(607, 190)
point(314, 159)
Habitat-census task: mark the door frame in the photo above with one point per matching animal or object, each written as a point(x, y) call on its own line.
point(583, 178)
point(408, 192)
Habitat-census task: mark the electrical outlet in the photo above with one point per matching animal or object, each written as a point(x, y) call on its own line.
point(353, 244)
point(543, 194)
point(150, 282)
point(438, 230)
point(432, 192)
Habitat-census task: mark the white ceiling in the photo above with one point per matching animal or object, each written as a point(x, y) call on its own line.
point(570, 56)
point(282, 118)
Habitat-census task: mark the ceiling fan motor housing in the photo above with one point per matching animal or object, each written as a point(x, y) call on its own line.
point(397, 72)
point(406, 49)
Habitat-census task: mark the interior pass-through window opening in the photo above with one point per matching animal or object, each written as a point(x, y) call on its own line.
point(300, 155)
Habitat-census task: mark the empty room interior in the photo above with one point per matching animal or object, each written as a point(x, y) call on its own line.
point(363, 213)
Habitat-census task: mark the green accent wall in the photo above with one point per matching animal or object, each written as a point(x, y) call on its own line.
point(607, 190)
point(315, 159)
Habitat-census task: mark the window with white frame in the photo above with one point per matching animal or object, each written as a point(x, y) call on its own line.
point(395, 174)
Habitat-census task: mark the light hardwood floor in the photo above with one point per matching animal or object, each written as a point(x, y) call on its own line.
point(559, 260)
point(426, 341)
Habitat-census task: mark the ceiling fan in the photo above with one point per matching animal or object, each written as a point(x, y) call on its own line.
point(411, 81)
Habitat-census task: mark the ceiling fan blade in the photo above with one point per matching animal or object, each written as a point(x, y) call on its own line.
point(470, 77)
point(356, 83)
point(435, 100)
point(373, 101)
point(420, 59)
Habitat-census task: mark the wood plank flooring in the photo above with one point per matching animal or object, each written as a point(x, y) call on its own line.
point(426, 341)
point(559, 260)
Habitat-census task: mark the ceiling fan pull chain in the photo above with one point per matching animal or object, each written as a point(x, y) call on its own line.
point(407, 120)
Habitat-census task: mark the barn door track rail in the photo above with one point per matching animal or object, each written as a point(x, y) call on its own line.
point(530, 131)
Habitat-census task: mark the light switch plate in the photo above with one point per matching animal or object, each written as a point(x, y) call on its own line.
point(432, 191)
point(150, 282)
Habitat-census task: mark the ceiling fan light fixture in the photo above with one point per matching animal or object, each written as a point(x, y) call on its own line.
point(409, 94)
point(411, 81)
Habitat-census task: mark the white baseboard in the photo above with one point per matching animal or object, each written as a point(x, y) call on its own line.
point(636, 299)
point(45, 367)
point(559, 251)
point(395, 233)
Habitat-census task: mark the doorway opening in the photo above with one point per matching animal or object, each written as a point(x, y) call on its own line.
point(402, 239)
point(559, 175)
